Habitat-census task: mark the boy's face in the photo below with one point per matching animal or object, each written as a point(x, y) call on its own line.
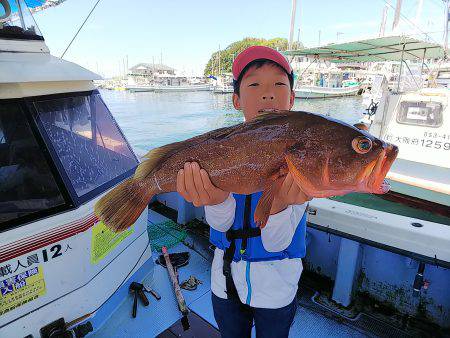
point(264, 88)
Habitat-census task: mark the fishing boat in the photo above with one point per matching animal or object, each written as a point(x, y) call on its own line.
point(222, 89)
point(320, 81)
point(140, 88)
point(182, 88)
point(318, 92)
point(63, 273)
point(222, 84)
point(418, 122)
point(60, 150)
point(169, 88)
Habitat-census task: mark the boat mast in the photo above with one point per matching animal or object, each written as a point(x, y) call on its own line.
point(22, 21)
point(291, 32)
point(446, 28)
point(383, 21)
point(398, 9)
point(219, 70)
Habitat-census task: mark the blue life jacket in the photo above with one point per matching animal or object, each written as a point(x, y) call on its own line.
point(255, 251)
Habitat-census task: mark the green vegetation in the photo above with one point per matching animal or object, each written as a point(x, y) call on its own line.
point(228, 54)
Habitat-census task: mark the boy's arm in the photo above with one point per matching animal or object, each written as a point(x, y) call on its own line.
point(221, 216)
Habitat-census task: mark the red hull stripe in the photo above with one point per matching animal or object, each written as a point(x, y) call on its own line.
point(32, 243)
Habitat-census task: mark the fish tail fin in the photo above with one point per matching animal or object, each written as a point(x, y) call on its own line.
point(123, 205)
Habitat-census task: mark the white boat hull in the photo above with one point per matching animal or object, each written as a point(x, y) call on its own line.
point(316, 92)
point(422, 168)
point(140, 88)
point(188, 88)
point(223, 89)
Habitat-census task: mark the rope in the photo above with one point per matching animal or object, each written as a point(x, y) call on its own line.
point(79, 29)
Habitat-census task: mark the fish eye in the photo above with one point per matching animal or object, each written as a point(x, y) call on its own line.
point(361, 144)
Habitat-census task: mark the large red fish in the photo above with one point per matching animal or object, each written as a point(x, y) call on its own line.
point(326, 157)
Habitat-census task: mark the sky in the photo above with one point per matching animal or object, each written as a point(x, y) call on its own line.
point(184, 33)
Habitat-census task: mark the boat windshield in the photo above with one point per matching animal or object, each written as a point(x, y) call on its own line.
point(87, 142)
point(16, 21)
point(27, 184)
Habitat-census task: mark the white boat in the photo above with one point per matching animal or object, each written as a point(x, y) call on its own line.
point(165, 88)
point(60, 151)
point(317, 92)
point(222, 89)
point(222, 84)
point(419, 124)
point(182, 88)
point(402, 117)
point(140, 88)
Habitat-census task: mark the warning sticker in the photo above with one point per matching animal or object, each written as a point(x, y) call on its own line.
point(22, 288)
point(105, 240)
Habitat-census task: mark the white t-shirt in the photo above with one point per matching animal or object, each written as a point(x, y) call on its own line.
point(270, 284)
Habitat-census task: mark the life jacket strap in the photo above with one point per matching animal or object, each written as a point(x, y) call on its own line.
point(232, 235)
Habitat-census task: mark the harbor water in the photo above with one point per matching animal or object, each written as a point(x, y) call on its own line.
point(150, 120)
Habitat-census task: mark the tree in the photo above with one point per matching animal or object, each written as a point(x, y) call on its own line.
point(228, 54)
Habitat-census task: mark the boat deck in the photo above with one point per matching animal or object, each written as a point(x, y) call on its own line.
point(162, 318)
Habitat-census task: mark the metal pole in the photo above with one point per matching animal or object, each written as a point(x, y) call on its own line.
point(446, 29)
point(319, 36)
point(423, 61)
point(22, 21)
point(220, 70)
point(398, 9)
point(383, 21)
point(401, 66)
point(291, 32)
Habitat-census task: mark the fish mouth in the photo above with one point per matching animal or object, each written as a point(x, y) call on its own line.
point(376, 182)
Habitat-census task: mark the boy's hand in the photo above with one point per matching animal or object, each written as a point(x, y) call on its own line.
point(195, 186)
point(290, 193)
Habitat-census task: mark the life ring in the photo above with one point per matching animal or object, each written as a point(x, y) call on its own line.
point(7, 9)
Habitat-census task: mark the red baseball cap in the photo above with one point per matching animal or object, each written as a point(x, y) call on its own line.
point(258, 52)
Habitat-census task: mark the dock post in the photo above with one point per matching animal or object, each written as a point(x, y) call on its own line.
point(186, 210)
point(347, 271)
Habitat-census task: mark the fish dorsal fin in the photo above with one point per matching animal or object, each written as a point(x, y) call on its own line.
point(156, 156)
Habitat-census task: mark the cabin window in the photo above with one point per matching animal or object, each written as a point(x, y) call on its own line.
point(16, 21)
point(427, 114)
point(27, 185)
point(444, 74)
point(88, 143)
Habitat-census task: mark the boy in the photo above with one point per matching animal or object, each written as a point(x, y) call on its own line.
point(255, 272)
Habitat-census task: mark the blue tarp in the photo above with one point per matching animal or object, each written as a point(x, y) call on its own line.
point(29, 3)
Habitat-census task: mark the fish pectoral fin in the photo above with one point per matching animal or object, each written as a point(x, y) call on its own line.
point(262, 211)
